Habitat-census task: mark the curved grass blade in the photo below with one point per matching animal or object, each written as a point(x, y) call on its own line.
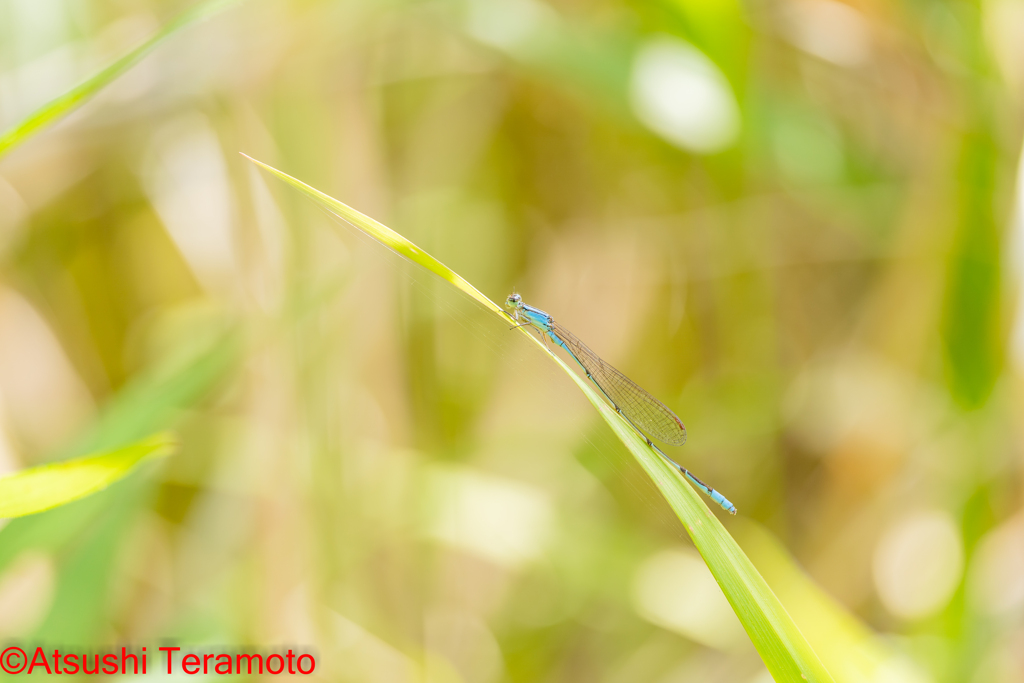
point(49, 486)
point(386, 236)
point(86, 533)
point(61, 105)
point(782, 646)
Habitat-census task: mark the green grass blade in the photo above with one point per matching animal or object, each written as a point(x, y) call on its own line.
point(84, 534)
point(783, 648)
point(385, 236)
point(49, 486)
point(773, 632)
point(61, 105)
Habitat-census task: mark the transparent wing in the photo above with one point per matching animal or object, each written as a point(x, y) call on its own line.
point(652, 416)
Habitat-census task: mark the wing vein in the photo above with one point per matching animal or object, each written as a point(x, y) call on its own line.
point(649, 414)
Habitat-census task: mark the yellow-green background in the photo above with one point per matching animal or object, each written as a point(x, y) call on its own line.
point(371, 466)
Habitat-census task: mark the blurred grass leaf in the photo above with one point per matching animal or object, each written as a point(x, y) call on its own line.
point(780, 643)
point(64, 103)
point(43, 488)
point(717, 27)
point(86, 533)
point(971, 321)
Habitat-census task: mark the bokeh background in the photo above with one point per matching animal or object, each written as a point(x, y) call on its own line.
point(796, 222)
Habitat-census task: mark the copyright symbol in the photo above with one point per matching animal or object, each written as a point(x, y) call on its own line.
point(9, 660)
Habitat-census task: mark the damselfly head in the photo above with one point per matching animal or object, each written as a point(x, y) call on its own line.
point(513, 300)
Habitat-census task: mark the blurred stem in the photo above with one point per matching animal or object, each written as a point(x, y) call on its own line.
point(970, 326)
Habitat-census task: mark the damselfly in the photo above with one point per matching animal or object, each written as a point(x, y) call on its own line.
point(648, 416)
